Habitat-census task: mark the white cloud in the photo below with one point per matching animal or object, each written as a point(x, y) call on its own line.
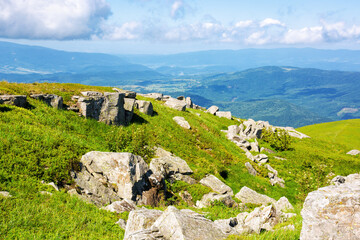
point(126, 31)
point(243, 24)
point(270, 21)
point(51, 19)
point(304, 35)
point(177, 9)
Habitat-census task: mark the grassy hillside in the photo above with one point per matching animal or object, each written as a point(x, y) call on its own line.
point(42, 143)
point(346, 132)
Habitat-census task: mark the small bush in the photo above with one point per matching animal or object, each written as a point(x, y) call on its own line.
point(279, 139)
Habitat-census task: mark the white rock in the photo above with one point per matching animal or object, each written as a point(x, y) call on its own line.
point(353, 152)
point(247, 195)
point(182, 122)
point(216, 185)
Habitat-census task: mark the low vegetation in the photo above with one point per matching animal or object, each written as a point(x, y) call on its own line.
point(43, 144)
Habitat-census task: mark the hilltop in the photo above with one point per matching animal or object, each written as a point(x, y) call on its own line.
point(40, 143)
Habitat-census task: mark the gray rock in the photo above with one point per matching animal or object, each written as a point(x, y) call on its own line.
point(16, 100)
point(263, 218)
point(184, 178)
point(233, 129)
point(5, 194)
point(223, 114)
point(213, 109)
point(92, 94)
point(156, 96)
point(160, 152)
point(216, 185)
point(176, 104)
point(227, 225)
point(208, 198)
point(283, 204)
point(182, 122)
point(249, 155)
point(52, 100)
point(148, 234)
point(254, 147)
point(353, 152)
point(175, 224)
point(189, 103)
point(90, 107)
point(121, 223)
point(332, 212)
point(112, 110)
point(139, 220)
point(129, 104)
point(247, 195)
point(169, 165)
point(250, 169)
point(144, 107)
point(121, 206)
point(261, 158)
point(128, 94)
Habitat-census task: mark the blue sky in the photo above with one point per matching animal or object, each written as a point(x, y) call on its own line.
point(171, 26)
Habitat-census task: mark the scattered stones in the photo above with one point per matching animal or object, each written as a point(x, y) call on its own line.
point(247, 195)
point(144, 107)
point(176, 104)
point(90, 107)
point(125, 205)
point(16, 100)
point(333, 212)
point(213, 109)
point(216, 185)
point(353, 152)
point(52, 100)
point(223, 114)
point(250, 169)
point(5, 194)
point(182, 122)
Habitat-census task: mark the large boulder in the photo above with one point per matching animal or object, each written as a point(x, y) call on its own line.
point(247, 195)
point(189, 103)
point(182, 122)
point(90, 107)
point(170, 165)
point(223, 114)
point(129, 104)
point(250, 169)
point(176, 104)
point(112, 110)
point(216, 185)
point(106, 177)
point(213, 109)
point(333, 212)
point(52, 100)
point(16, 100)
point(144, 107)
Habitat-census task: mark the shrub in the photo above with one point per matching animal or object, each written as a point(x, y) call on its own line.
point(279, 139)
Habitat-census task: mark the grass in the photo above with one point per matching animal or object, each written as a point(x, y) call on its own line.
point(42, 143)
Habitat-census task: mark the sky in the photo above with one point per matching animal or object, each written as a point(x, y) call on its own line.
point(173, 26)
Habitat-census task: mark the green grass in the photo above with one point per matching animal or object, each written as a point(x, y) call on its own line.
point(42, 143)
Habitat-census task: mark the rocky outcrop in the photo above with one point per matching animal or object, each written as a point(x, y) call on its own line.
point(333, 212)
point(182, 122)
point(52, 100)
point(216, 185)
point(16, 100)
point(176, 104)
point(247, 195)
point(106, 177)
point(90, 107)
point(144, 107)
point(353, 152)
point(223, 114)
point(213, 109)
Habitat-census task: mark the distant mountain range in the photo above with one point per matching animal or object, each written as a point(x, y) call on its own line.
point(234, 80)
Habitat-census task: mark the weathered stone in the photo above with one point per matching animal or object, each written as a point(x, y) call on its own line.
point(250, 169)
point(213, 110)
point(139, 220)
point(223, 114)
point(176, 104)
point(121, 223)
point(353, 152)
point(148, 234)
point(261, 158)
point(5, 194)
point(184, 178)
point(247, 195)
point(175, 224)
point(189, 103)
point(92, 94)
point(233, 129)
point(186, 196)
point(208, 198)
point(129, 104)
point(283, 204)
point(156, 96)
point(226, 225)
point(127, 93)
point(125, 205)
point(254, 147)
point(112, 110)
point(16, 100)
point(263, 218)
point(160, 152)
point(182, 122)
point(52, 100)
point(249, 155)
point(169, 165)
point(267, 150)
point(216, 185)
point(144, 107)
point(90, 107)
point(332, 212)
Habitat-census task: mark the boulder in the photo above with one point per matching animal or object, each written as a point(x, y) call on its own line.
point(227, 225)
point(170, 165)
point(112, 110)
point(262, 218)
point(182, 122)
point(213, 109)
point(184, 178)
point(121, 206)
point(156, 96)
point(129, 104)
point(293, 133)
point(52, 100)
point(144, 107)
point(254, 147)
point(233, 129)
point(16, 100)
point(128, 94)
point(261, 158)
point(332, 212)
point(90, 107)
point(139, 220)
point(250, 169)
point(247, 195)
point(216, 185)
point(189, 103)
point(92, 94)
point(5, 194)
point(353, 152)
point(106, 177)
point(208, 198)
point(176, 104)
point(273, 176)
point(283, 204)
point(223, 114)
point(175, 224)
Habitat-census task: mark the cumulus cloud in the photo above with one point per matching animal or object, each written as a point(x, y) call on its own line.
point(51, 19)
point(177, 9)
point(270, 21)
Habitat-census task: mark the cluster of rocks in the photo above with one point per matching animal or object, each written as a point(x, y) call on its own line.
point(333, 212)
point(16, 100)
point(214, 110)
point(52, 100)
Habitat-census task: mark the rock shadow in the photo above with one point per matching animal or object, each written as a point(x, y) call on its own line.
point(137, 119)
point(5, 109)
